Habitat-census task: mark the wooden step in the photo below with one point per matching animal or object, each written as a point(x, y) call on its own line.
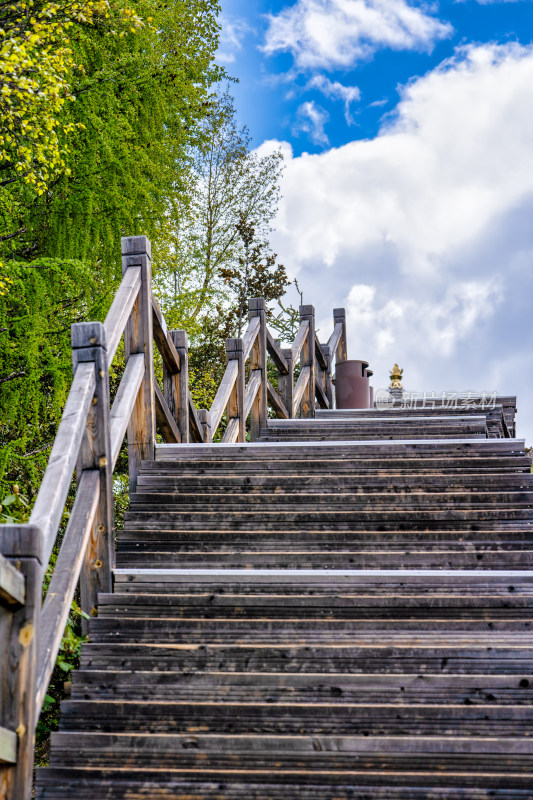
point(282, 687)
point(332, 620)
point(166, 784)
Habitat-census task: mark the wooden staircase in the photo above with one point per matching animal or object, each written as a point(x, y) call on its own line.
point(339, 611)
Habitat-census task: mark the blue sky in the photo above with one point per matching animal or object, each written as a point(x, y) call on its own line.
point(407, 130)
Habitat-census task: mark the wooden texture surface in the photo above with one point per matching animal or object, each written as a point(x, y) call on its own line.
point(332, 614)
point(11, 583)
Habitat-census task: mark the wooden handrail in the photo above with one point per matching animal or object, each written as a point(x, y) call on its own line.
point(124, 401)
point(319, 355)
point(50, 503)
point(163, 340)
point(64, 580)
point(275, 352)
point(335, 339)
point(253, 386)
point(301, 385)
point(120, 310)
point(89, 439)
point(299, 340)
point(222, 396)
point(248, 340)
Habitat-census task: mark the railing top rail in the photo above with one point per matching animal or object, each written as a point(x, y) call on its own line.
point(48, 508)
point(277, 356)
point(250, 335)
point(222, 396)
point(120, 310)
point(299, 339)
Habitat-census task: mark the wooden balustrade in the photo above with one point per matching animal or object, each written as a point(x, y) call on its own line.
point(88, 443)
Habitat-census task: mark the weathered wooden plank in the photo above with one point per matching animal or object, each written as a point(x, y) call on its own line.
point(321, 395)
point(301, 386)
point(235, 407)
point(339, 317)
point(319, 355)
point(196, 424)
point(231, 434)
point(335, 339)
point(138, 338)
point(252, 387)
point(222, 396)
point(176, 385)
point(276, 353)
point(307, 359)
point(12, 589)
point(50, 503)
point(163, 339)
point(125, 401)
point(300, 339)
point(286, 384)
point(18, 667)
point(250, 335)
point(8, 746)
point(89, 345)
point(120, 310)
point(64, 580)
point(258, 362)
point(276, 402)
point(164, 419)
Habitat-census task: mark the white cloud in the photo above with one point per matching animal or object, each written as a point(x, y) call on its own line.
point(339, 33)
point(336, 91)
point(439, 323)
point(424, 233)
point(232, 34)
point(311, 119)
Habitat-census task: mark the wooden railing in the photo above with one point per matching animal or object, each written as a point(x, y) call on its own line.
point(88, 442)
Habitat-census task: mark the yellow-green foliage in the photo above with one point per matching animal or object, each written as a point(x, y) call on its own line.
point(37, 64)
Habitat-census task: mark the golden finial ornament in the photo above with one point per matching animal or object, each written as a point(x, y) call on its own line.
point(396, 377)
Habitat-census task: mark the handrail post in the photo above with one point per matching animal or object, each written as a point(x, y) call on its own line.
point(286, 382)
point(339, 315)
point(181, 343)
point(341, 353)
point(19, 629)
point(235, 408)
point(328, 378)
point(89, 344)
point(176, 385)
point(258, 416)
point(307, 359)
point(138, 338)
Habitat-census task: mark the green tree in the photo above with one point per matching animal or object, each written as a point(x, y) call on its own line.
point(230, 185)
point(37, 66)
point(255, 274)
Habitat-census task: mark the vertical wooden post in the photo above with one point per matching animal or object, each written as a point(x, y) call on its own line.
point(235, 407)
point(307, 359)
point(339, 315)
point(181, 343)
point(328, 377)
point(19, 629)
point(286, 382)
point(258, 417)
point(89, 344)
point(176, 385)
point(138, 338)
